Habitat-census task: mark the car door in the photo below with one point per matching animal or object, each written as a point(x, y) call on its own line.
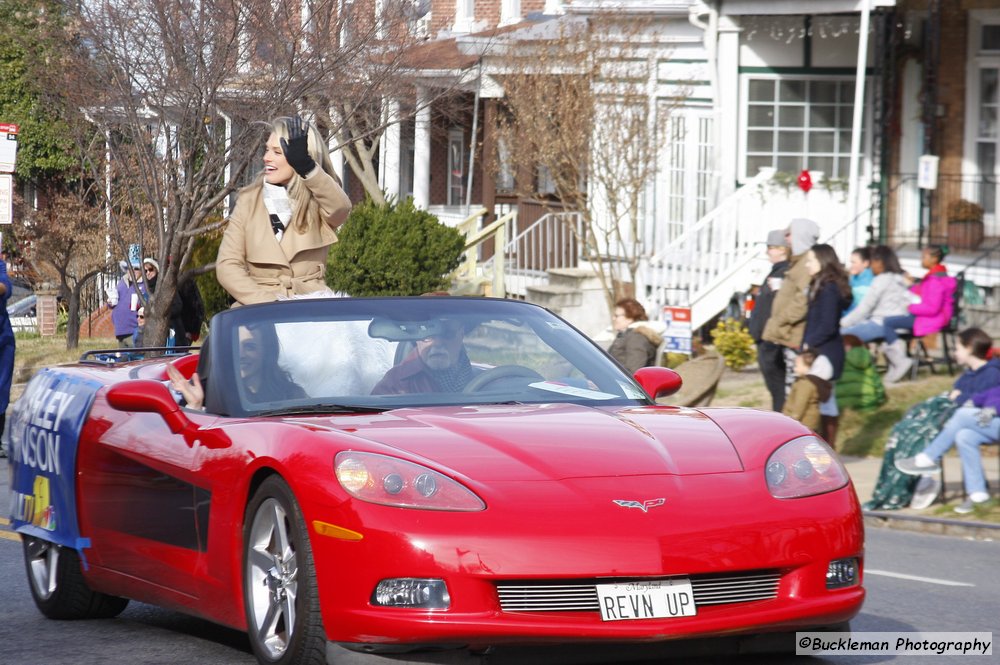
point(143, 502)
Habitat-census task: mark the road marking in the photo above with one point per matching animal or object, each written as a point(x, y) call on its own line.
point(916, 578)
point(4, 521)
point(9, 535)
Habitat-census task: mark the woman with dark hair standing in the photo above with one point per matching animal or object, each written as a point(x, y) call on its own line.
point(280, 232)
point(829, 295)
point(887, 296)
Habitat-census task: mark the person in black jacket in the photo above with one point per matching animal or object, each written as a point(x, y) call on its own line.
point(771, 356)
point(829, 296)
point(151, 268)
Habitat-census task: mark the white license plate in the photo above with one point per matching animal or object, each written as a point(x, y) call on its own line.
point(661, 599)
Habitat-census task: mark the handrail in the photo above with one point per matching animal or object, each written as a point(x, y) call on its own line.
point(473, 239)
point(488, 231)
point(981, 256)
point(746, 190)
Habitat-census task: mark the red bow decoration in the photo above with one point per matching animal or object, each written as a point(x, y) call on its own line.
point(805, 181)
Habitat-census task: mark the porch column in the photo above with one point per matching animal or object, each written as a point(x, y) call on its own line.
point(727, 107)
point(422, 151)
point(336, 156)
point(859, 106)
point(333, 146)
point(389, 149)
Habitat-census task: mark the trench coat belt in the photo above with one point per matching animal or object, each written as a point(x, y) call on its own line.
point(286, 282)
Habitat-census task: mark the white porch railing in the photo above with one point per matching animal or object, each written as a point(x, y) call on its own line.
point(697, 269)
point(551, 242)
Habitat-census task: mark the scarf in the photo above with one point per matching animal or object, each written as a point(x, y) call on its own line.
point(454, 379)
point(279, 208)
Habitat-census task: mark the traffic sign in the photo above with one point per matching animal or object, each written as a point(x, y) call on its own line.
point(8, 147)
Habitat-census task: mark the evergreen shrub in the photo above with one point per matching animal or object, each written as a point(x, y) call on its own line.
point(393, 249)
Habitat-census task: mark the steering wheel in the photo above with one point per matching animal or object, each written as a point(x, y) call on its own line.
point(483, 379)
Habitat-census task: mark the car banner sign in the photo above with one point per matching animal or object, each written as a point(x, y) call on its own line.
point(44, 433)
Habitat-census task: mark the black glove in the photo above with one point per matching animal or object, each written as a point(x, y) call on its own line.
point(296, 148)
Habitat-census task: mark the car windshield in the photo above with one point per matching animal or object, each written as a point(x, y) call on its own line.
point(385, 353)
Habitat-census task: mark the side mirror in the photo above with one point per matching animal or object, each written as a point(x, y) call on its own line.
point(144, 396)
point(658, 381)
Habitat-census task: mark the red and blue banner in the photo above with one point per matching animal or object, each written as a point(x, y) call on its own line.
point(44, 434)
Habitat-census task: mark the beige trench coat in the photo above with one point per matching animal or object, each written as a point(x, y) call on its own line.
point(254, 267)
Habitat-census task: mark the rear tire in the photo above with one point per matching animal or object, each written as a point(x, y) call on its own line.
point(279, 580)
point(57, 584)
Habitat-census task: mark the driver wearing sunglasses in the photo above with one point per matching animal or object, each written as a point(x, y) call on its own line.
point(439, 363)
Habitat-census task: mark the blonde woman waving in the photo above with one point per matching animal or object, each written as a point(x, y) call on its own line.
point(281, 230)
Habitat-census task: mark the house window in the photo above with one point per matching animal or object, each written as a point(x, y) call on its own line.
point(406, 168)
point(982, 146)
point(510, 11)
point(465, 15)
point(456, 167)
point(990, 37)
point(545, 183)
point(798, 123)
point(505, 169)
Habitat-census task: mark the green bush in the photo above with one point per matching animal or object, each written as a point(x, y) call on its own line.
point(734, 343)
point(393, 250)
point(216, 298)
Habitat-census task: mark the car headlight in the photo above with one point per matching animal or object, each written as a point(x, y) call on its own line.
point(804, 467)
point(394, 482)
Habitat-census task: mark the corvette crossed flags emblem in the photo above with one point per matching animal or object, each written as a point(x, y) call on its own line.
point(644, 506)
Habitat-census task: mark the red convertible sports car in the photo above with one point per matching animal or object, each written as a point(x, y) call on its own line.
point(425, 478)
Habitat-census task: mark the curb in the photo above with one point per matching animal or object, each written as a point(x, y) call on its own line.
point(935, 525)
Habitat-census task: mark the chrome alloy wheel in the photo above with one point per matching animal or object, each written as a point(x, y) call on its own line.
point(43, 564)
point(272, 572)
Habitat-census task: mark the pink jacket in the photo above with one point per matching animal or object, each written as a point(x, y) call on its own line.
point(937, 303)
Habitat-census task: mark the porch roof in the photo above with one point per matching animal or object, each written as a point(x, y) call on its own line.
point(460, 51)
point(798, 7)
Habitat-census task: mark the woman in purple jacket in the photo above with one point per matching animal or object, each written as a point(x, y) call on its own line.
point(967, 429)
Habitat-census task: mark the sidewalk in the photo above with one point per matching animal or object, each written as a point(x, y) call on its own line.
point(864, 473)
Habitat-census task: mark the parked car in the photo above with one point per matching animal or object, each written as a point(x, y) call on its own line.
point(22, 314)
point(525, 492)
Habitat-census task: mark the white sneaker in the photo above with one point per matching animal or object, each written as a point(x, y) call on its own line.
point(926, 492)
point(918, 465)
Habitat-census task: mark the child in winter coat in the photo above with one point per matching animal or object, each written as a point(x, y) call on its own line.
point(807, 393)
point(860, 386)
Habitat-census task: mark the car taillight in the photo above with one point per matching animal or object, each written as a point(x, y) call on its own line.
point(804, 467)
point(395, 482)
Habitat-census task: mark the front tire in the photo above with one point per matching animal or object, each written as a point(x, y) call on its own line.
point(279, 580)
point(57, 584)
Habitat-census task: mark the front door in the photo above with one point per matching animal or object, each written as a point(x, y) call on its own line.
point(686, 175)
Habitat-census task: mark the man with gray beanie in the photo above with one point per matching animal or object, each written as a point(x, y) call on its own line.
point(788, 312)
point(770, 356)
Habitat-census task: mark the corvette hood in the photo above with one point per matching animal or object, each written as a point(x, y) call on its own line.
point(551, 442)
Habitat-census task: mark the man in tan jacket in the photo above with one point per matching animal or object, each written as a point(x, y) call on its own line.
point(788, 312)
point(280, 232)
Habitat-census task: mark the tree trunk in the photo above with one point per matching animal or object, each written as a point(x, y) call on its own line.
point(73, 323)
